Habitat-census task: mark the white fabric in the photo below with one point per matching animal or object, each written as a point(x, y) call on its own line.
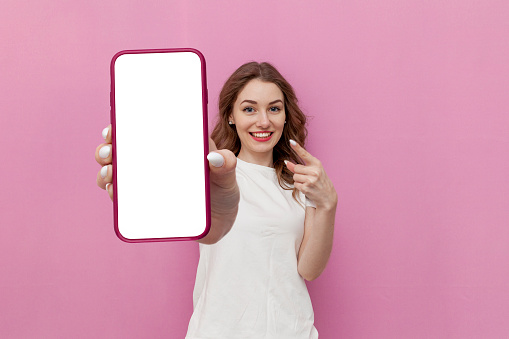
point(247, 284)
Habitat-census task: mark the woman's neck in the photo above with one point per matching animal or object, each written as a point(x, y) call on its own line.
point(262, 159)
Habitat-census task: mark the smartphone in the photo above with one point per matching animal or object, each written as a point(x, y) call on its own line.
point(160, 143)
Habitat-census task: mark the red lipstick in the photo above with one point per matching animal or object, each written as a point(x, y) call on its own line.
point(261, 139)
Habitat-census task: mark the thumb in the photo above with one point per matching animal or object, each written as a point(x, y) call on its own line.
point(222, 161)
point(222, 164)
point(215, 159)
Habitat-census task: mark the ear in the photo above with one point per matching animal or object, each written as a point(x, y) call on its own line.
point(230, 118)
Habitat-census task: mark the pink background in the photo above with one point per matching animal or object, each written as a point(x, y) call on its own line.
point(410, 109)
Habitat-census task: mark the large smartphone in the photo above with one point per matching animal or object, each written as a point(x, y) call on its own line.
point(160, 143)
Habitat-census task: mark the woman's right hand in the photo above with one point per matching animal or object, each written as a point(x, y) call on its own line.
point(224, 192)
point(103, 157)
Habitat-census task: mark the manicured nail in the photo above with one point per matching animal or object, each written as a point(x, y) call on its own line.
point(292, 142)
point(286, 162)
point(105, 132)
point(215, 159)
point(104, 152)
point(107, 186)
point(104, 171)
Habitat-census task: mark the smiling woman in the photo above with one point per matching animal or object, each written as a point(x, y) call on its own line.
point(259, 123)
point(250, 284)
point(252, 90)
point(263, 242)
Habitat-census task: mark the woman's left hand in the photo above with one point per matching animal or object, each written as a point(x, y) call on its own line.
point(312, 180)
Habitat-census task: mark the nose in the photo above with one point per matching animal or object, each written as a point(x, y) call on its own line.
point(263, 120)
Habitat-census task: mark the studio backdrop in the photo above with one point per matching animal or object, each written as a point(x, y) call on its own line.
point(408, 111)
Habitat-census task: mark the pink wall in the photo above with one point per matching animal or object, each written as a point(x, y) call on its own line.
point(411, 120)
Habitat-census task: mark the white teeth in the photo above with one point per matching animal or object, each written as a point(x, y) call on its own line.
point(261, 135)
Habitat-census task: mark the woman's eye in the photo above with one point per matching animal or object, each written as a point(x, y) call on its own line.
point(248, 110)
point(275, 109)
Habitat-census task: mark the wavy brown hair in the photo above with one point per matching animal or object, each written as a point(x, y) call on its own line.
point(225, 135)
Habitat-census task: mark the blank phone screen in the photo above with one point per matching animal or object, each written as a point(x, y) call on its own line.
point(160, 142)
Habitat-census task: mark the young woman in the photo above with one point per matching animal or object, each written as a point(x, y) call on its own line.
point(273, 210)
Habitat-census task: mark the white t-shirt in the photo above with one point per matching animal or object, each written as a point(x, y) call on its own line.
point(247, 284)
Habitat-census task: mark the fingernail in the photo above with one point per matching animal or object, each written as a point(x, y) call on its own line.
point(105, 132)
point(104, 171)
point(286, 162)
point(215, 159)
point(292, 142)
point(107, 186)
point(104, 152)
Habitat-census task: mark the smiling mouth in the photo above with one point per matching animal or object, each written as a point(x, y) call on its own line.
point(261, 135)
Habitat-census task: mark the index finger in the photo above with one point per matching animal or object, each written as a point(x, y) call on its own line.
point(302, 153)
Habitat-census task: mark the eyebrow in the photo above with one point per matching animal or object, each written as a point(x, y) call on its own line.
point(254, 102)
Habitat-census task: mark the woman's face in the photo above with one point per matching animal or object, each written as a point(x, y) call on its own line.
point(259, 116)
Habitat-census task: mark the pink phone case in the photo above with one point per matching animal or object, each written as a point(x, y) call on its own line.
point(205, 140)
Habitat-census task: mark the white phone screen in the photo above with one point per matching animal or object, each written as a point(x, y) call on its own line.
point(160, 143)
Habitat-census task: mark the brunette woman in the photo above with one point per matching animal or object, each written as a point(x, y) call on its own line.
point(273, 209)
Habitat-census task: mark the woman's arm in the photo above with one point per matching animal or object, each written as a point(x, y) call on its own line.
point(316, 245)
point(224, 193)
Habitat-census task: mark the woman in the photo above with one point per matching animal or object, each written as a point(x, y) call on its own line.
point(263, 242)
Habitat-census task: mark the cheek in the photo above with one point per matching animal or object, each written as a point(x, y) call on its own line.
point(280, 124)
point(243, 126)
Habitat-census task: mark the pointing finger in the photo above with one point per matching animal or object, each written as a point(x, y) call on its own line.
point(302, 153)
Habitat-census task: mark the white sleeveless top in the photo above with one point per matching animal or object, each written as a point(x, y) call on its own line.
point(247, 284)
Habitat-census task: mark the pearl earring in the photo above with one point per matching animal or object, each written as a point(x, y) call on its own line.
point(231, 123)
